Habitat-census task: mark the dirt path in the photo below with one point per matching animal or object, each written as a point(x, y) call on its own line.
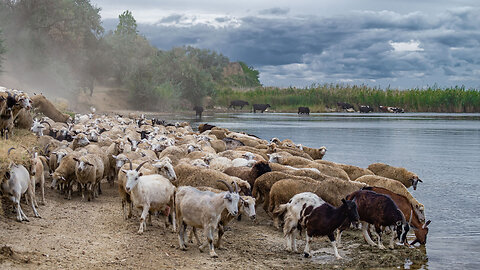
point(78, 234)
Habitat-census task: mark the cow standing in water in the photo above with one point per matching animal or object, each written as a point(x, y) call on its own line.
point(198, 111)
point(260, 107)
point(238, 103)
point(304, 110)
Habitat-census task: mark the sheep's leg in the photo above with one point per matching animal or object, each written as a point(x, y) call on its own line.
point(32, 202)
point(150, 214)
point(294, 241)
point(42, 187)
point(172, 214)
point(276, 221)
point(33, 187)
point(194, 231)
point(89, 192)
point(124, 208)
point(334, 245)
point(392, 240)
point(181, 234)
point(99, 187)
point(143, 217)
point(366, 236)
point(306, 251)
point(18, 209)
point(83, 195)
point(209, 234)
point(289, 241)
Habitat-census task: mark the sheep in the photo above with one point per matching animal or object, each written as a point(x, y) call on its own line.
point(407, 178)
point(196, 176)
point(331, 190)
point(79, 140)
point(40, 103)
point(246, 205)
point(89, 171)
point(150, 193)
point(65, 173)
point(315, 153)
point(17, 182)
point(293, 210)
point(249, 174)
point(202, 209)
point(218, 145)
point(175, 153)
point(355, 172)
point(218, 163)
point(305, 163)
point(396, 187)
point(24, 119)
point(263, 184)
point(37, 173)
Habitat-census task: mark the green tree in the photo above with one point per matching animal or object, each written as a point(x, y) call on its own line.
point(127, 25)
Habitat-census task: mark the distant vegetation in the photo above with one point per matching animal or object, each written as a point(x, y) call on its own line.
point(61, 44)
point(322, 97)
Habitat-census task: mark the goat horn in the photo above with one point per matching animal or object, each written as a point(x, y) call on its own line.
point(30, 153)
point(10, 149)
point(236, 186)
point(46, 148)
point(46, 123)
point(226, 184)
point(131, 166)
point(141, 164)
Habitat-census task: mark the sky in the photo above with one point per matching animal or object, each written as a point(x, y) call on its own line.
point(385, 43)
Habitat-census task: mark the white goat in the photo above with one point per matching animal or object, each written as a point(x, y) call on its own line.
point(16, 184)
point(150, 193)
point(203, 209)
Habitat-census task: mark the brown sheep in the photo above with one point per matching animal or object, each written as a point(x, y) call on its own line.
point(407, 178)
point(44, 106)
point(249, 174)
point(353, 171)
point(24, 119)
point(218, 145)
point(315, 153)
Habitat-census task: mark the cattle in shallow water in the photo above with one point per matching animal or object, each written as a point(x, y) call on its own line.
point(345, 105)
point(238, 103)
point(198, 111)
point(365, 109)
point(303, 110)
point(260, 107)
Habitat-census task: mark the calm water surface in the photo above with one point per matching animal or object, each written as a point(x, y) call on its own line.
point(443, 149)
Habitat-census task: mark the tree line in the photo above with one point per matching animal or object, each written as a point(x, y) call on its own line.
point(64, 40)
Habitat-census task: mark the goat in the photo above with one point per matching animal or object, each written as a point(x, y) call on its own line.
point(150, 193)
point(325, 219)
point(381, 211)
point(203, 209)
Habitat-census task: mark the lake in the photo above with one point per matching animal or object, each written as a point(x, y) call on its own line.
point(443, 149)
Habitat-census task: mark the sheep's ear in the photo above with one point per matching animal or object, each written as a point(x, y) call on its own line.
point(76, 159)
point(140, 174)
point(344, 201)
point(124, 171)
point(7, 175)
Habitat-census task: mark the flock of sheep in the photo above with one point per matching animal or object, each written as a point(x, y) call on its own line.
point(203, 179)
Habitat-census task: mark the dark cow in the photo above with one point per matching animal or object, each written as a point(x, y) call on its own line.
point(344, 105)
point(303, 110)
point(238, 103)
point(365, 109)
point(380, 211)
point(325, 219)
point(260, 107)
point(198, 111)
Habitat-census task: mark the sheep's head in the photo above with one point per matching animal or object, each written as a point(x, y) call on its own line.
point(166, 169)
point(248, 206)
point(200, 163)
point(82, 164)
point(421, 234)
point(81, 139)
point(248, 156)
point(414, 180)
point(262, 167)
point(274, 158)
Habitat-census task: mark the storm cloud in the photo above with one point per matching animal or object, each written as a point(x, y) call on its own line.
point(374, 47)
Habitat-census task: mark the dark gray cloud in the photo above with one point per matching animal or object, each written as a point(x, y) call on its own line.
point(375, 47)
point(274, 11)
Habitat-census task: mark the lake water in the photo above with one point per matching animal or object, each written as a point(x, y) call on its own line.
point(443, 149)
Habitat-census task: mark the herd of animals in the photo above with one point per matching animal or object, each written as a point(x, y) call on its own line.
point(344, 106)
point(205, 179)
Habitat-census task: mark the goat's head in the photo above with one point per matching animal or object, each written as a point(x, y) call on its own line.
point(351, 210)
point(231, 198)
point(421, 234)
point(133, 176)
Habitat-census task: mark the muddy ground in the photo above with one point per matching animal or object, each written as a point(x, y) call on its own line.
point(76, 234)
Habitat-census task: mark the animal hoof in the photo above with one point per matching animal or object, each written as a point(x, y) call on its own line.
point(213, 255)
point(306, 255)
point(339, 258)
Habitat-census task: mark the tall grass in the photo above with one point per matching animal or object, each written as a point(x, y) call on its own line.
point(324, 97)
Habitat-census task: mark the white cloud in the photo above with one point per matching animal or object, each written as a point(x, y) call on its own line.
point(411, 46)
